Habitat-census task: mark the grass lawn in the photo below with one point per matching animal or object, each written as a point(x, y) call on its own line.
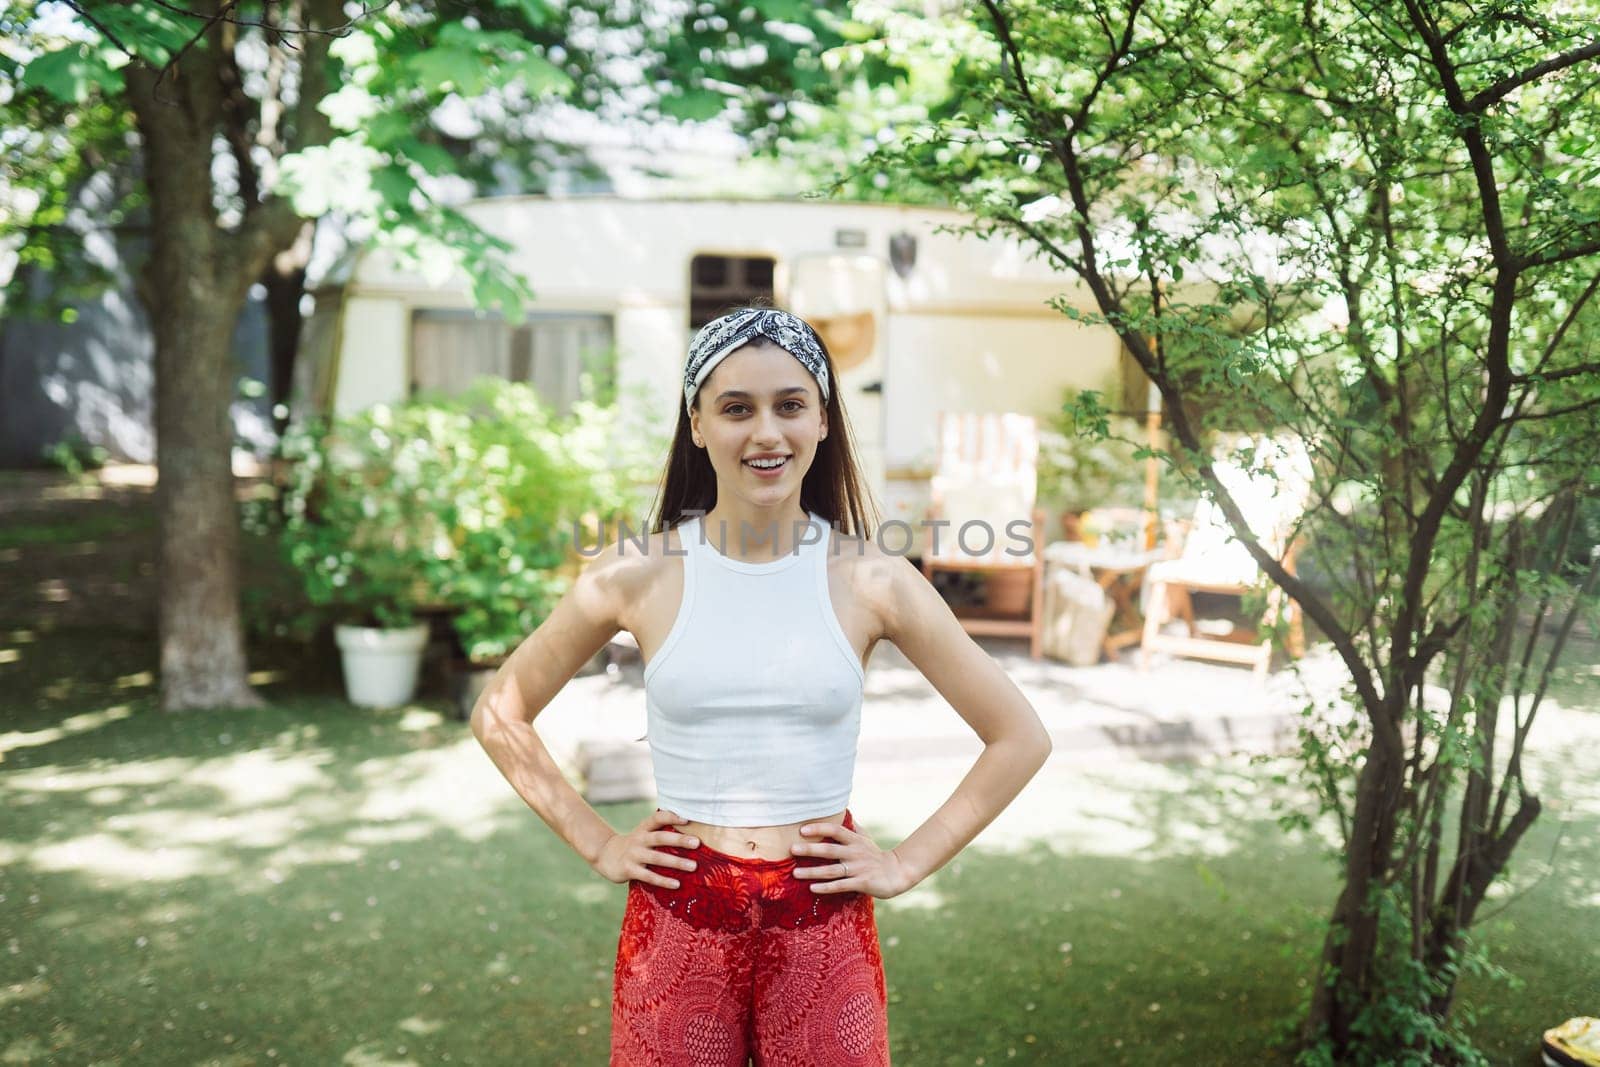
point(317, 884)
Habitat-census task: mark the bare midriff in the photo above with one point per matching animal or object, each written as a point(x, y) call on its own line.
point(756, 842)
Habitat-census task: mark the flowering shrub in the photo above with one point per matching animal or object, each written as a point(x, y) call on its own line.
point(359, 511)
point(465, 503)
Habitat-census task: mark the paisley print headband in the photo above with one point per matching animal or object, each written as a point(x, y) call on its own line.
point(720, 337)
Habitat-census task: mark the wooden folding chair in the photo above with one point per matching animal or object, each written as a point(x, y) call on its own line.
point(1272, 493)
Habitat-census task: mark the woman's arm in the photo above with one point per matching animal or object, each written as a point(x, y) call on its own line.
point(1016, 744)
point(502, 719)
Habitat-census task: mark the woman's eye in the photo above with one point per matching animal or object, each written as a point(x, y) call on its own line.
point(787, 405)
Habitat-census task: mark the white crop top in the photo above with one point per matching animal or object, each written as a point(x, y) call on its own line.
point(753, 700)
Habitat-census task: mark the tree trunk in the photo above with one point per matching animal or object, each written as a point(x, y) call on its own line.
point(202, 638)
point(196, 294)
point(1350, 948)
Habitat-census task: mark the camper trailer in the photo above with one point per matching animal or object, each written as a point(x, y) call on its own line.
point(919, 318)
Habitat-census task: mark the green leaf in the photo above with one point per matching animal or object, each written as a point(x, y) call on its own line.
point(694, 105)
point(444, 68)
point(795, 11)
point(539, 76)
point(393, 184)
point(70, 74)
point(852, 30)
point(430, 157)
point(537, 12)
point(389, 129)
point(151, 32)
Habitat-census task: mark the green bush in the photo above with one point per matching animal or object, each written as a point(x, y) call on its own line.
point(467, 504)
point(75, 455)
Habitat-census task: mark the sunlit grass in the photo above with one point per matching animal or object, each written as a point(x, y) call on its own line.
point(345, 886)
point(315, 883)
point(74, 724)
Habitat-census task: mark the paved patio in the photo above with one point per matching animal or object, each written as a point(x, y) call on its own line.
point(1107, 719)
point(1179, 708)
point(1119, 733)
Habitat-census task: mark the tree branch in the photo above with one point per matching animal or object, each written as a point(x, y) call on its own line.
point(1588, 248)
point(1471, 136)
point(1556, 375)
point(1561, 332)
point(1504, 87)
point(1551, 413)
point(83, 13)
point(341, 30)
point(1385, 727)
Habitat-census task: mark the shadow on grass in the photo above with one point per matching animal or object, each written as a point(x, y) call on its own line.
point(316, 883)
point(182, 917)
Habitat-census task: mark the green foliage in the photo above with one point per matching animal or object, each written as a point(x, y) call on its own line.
point(52, 145)
point(1376, 229)
point(73, 73)
point(891, 71)
point(391, 74)
point(361, 523)
point(541, 480)
point(1396, 1024)
point(75, 455)
point(468, 504)
point(1091, 458)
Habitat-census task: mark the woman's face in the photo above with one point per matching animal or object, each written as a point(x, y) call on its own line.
point(759, 402)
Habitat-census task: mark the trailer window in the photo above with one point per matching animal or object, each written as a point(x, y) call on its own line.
point(717, 283)
point(565, 356)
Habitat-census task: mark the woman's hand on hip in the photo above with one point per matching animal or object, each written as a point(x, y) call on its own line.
point(859, 865)
point(630, 856)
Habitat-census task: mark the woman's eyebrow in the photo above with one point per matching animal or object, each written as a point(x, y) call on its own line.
point(741, 394)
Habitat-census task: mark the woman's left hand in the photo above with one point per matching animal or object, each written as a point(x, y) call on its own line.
point(859, 864)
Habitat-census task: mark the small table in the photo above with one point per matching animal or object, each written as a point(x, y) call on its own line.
point(1117, 571)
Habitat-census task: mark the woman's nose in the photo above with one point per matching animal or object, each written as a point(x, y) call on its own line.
point(767, 427)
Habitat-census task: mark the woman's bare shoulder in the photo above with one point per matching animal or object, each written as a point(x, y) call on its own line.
point(877, 575)
point(626, 567)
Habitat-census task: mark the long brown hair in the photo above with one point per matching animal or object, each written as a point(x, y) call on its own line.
point(832, 486)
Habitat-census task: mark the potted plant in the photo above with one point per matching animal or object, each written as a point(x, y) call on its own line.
point(462, 505)
point(488, 626)
point(538, 479)
point(360, 530)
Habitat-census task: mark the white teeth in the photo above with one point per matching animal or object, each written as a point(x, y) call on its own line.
point(766, 464)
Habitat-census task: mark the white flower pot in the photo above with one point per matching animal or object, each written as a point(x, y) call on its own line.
point(380, 666)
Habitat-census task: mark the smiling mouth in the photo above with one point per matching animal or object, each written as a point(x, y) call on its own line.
point(768, 468)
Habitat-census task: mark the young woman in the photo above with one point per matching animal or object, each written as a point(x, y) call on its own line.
point(756, 600)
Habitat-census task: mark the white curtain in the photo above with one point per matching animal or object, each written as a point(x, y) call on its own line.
point(452, 348)
point(449, 350)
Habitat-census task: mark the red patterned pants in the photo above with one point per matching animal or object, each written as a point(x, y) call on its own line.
point(743, 960)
